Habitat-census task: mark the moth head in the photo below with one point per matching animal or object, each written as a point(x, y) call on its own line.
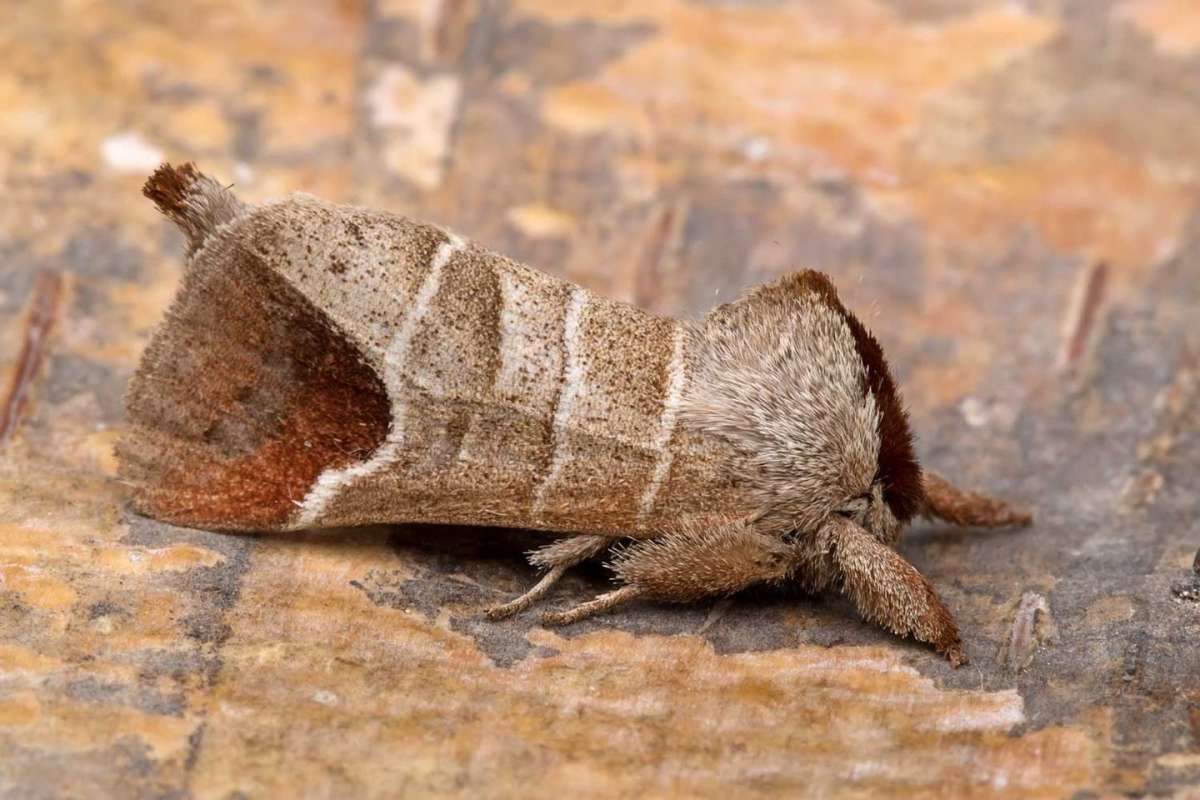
point(870, 511)
point(801, 389)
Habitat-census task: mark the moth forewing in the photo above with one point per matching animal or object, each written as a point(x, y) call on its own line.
point(507, 397)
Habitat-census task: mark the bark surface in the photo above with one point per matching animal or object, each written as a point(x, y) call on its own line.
point(1006, 194)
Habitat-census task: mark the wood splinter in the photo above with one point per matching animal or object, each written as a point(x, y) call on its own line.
point(328, 366)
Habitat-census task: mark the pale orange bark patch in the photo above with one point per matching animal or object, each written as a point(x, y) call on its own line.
point(540, 221)
point(1080, 195)
point(137, 560)
point(824, 87)
point(19, 710)
point(15, 658)
point(1174, 25)
point(36, 587)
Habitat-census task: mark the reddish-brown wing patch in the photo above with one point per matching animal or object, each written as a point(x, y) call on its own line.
point(247, 393)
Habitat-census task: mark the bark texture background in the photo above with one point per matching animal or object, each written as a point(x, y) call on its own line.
point(1007, 191)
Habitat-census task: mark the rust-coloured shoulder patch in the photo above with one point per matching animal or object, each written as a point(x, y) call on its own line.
point(899, 471)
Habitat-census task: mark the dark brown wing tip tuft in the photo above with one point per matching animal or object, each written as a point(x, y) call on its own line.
point(192, 200)
point(169, 186)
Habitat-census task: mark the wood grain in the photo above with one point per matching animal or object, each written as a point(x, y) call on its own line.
point(961, 169)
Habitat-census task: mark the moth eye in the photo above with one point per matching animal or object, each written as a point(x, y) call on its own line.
point(855, 506)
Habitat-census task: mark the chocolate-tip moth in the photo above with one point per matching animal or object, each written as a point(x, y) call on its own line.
point(324, 365)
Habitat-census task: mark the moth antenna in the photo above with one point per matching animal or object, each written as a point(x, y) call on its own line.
point(193, 201)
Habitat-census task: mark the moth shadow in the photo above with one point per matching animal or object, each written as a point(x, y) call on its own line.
point(455, 572)
point(449, 541)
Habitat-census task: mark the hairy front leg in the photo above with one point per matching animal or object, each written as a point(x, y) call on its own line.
point(887, 590)
point(688, 565)
point(946, 501)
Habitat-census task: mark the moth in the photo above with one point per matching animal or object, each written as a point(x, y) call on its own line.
point(323, 366)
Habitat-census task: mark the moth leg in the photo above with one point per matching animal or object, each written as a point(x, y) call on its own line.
point(558, 556)
point(689, 564)
point(695, 562)
point(946, 501)
point(888, 591)
point(592, 607)
point(519, 604)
